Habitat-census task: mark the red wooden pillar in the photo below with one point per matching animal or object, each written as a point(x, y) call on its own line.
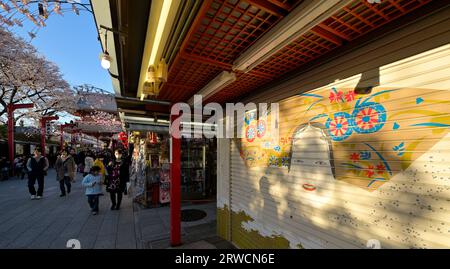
point(10, 111)
point(175, 189)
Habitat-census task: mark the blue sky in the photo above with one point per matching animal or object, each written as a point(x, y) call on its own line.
point(71, 42)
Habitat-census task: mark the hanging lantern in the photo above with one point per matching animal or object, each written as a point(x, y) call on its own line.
point(123, 137)
point(41, 9)
point(75, 9)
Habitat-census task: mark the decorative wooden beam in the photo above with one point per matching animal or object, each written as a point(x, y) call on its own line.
point(327, 35)
point(331, 30)
point(269, 7)
point(202, 60)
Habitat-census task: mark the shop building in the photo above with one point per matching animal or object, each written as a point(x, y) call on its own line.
point(362, 88)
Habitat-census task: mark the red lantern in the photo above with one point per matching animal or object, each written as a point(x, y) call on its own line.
point(123, 137)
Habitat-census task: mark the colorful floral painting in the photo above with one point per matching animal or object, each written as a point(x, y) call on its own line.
point(366, 132)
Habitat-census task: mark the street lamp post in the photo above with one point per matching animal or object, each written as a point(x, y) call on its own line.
point(44, 121)
point(10, 110)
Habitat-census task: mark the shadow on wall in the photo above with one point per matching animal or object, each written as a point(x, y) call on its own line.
point(357, 187)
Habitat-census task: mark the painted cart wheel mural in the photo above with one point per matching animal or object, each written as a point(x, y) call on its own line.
point(250, 133)
point(340, 127)
point(368, 118)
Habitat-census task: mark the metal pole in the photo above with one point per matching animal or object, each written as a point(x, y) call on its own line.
point(175, 189)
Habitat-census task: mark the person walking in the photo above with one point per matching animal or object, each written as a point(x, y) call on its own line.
point(81, 156)
point(65, 171)
point(37, 169)
point(4, 168)
point(19, 166)
point(118, 176)
point(99, 162)
point(74, 155)
point(93, 184)
point(88, 163)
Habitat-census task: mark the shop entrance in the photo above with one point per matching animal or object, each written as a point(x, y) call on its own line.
point(150, 169)
point(198, 169)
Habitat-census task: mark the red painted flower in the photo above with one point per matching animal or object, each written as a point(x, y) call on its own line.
point(339, 126)
point(354, 157)
point(381, 169)
point(335, 96)
point(250, 133)
point(367, 118)
point(350, 96)
point(370, 171)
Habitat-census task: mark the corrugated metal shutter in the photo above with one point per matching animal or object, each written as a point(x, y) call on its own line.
point(350, 168)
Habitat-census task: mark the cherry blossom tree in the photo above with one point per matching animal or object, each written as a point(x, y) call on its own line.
point(14, 13)
point(27, 77)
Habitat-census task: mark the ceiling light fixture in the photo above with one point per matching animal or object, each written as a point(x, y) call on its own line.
point(303, 18)
point(160, 29)
point(221, 81)
point(162, 17)
point(105, 59)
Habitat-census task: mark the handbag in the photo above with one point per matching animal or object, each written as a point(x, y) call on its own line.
point(127, 188)
point(106, 183)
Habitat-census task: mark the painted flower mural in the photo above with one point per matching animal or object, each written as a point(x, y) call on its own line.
point(368, 118)
point(340, 127)
point(352, 123)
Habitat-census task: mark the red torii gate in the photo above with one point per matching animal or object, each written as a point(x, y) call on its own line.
point(10, 110)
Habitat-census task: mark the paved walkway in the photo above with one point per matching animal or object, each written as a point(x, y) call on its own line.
point(52, 221)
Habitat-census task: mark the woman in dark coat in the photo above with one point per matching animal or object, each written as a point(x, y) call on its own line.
point(65, 167)
point(118, 176)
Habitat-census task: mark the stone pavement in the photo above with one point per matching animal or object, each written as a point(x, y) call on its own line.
point(52, 221)
point(154, 227)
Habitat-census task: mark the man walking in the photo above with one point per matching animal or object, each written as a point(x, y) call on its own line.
point(37, 170)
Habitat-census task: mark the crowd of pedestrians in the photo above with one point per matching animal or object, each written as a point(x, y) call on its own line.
point(102, 171)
